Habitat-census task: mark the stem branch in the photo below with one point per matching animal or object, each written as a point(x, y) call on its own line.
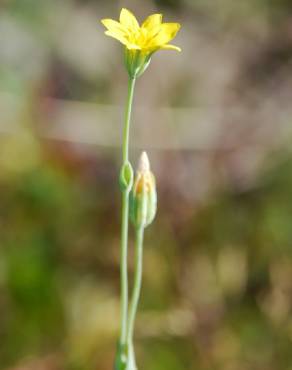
point(137, 283)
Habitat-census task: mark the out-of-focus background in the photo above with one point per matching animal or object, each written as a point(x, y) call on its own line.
point(216, 123)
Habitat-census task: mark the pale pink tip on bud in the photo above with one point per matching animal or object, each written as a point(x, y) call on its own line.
point(143, 164)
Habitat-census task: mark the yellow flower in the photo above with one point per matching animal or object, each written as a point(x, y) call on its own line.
point(151, 36)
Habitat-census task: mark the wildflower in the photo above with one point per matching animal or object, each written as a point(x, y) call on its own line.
point(141, 41)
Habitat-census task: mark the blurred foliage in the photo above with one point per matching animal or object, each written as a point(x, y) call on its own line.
point(217, 291)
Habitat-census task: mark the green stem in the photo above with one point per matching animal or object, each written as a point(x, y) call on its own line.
point(123, 267)
point(125, 220)
point(137, 284)
point(126, 131)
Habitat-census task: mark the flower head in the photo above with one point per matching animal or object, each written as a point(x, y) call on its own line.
point(141, 41)
point(152, 35)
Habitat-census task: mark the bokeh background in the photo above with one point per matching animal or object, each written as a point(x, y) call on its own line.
point(216, 123)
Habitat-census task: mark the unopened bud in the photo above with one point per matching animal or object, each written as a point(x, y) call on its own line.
point(143, 197)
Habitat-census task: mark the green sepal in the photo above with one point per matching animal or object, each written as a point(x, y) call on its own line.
point(144, 65)
point(126, 177)
point(136, 62)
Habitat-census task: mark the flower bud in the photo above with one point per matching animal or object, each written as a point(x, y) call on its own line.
point(136, 62)
point(143, 197)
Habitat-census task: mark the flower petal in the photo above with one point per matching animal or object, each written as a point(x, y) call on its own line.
point(114, 26)
point(132, 46)
point(170, 47)
point(152, 21)
point(167, 32)
point(128, 20)
point(118, 36)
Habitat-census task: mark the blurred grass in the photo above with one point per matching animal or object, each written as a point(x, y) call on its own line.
point(218, 269)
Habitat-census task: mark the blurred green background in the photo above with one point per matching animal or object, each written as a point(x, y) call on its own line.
point(216, 123)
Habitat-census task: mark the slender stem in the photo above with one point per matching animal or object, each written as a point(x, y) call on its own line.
point(125, 220)
point(137, 283)
point(123, 267)
point(126, 131)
